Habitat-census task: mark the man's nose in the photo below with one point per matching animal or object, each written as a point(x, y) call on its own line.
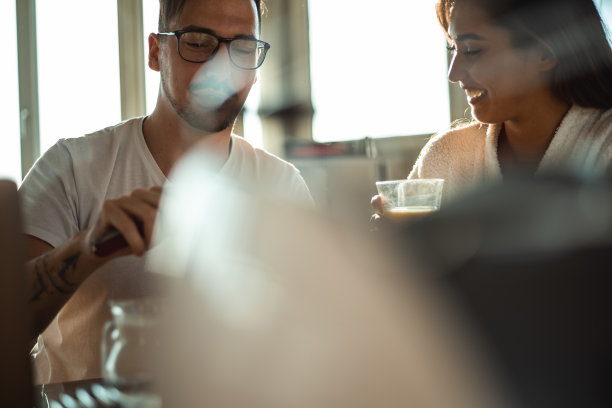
point(218, 68)
point(221, 61)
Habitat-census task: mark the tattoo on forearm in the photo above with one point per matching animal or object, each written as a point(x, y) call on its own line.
point(40, 281)
point(49, 280)
point(60, 280)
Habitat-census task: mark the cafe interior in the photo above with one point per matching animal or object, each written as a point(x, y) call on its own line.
point(496, 299)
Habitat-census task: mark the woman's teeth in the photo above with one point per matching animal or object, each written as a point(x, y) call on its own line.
point(474, 93)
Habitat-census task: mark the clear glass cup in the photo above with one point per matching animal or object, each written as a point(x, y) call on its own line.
point(130, 343)
point(406, 200)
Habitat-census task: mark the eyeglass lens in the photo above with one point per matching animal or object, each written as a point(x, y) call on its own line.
point(199, 47)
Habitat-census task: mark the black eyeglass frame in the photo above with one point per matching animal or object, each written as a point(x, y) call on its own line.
point(220, 40)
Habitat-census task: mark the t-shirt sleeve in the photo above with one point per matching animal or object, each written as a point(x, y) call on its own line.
point(48, 197)
point(299, 191)
point(268, 175)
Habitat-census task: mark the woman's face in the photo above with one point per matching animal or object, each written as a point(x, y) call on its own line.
point(500, 80)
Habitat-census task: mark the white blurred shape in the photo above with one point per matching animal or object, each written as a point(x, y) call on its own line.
point(279, 306)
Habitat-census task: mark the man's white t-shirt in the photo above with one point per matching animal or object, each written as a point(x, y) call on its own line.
point(63, 194)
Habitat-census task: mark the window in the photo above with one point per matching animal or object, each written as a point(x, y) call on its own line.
point(10, 153)
point(377, 69)
point(78, 68)
point(150, 13)
point(605, 9)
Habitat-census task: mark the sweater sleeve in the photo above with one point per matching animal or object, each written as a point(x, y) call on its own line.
point(459, 157)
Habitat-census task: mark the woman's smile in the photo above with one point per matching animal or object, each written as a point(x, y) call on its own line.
point(475, 95)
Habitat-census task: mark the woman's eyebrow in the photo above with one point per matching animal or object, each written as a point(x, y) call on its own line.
point(469, 36)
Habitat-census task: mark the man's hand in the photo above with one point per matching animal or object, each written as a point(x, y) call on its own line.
point(54, 274)
point(128, 221)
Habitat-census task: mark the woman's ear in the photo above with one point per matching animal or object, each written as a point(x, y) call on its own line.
point(547, 59)
point(154, 51)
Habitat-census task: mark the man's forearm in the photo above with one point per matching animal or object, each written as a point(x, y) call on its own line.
point(53, 277)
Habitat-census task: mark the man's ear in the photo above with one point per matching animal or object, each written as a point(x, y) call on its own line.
point(154, 52)
point(547, 59)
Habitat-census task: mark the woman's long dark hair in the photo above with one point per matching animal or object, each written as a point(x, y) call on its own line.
point(574, 31)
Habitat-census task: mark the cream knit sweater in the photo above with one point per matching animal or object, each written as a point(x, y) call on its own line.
point(467, 156)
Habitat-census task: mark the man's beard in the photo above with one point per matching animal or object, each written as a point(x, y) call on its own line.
point(210, 121)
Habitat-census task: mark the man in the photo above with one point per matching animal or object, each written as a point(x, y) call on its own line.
point(207, 53)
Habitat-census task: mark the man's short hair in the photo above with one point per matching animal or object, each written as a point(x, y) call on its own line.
point(168, 9)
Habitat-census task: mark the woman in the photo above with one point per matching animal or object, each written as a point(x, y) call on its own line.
point(538, 78)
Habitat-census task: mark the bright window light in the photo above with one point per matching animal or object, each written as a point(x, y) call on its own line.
point(605, 9)
point(378, 69)
point(78, 68)
point(150, 13)
point(10, 151)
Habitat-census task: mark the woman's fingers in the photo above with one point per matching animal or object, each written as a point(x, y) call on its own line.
point(377, 204)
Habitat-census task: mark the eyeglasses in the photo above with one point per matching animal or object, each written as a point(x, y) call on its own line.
point(200, 46)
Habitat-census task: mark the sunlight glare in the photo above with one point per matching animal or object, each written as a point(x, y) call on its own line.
point(378, 69)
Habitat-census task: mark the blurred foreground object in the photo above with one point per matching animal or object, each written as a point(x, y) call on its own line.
point(15, 373)
point(531, 262)
point(278, 306)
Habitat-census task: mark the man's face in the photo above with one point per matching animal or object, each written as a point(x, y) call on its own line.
point(209, 95)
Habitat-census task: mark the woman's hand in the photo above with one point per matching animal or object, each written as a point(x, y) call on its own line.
point(376, 220)
point(377, 204)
